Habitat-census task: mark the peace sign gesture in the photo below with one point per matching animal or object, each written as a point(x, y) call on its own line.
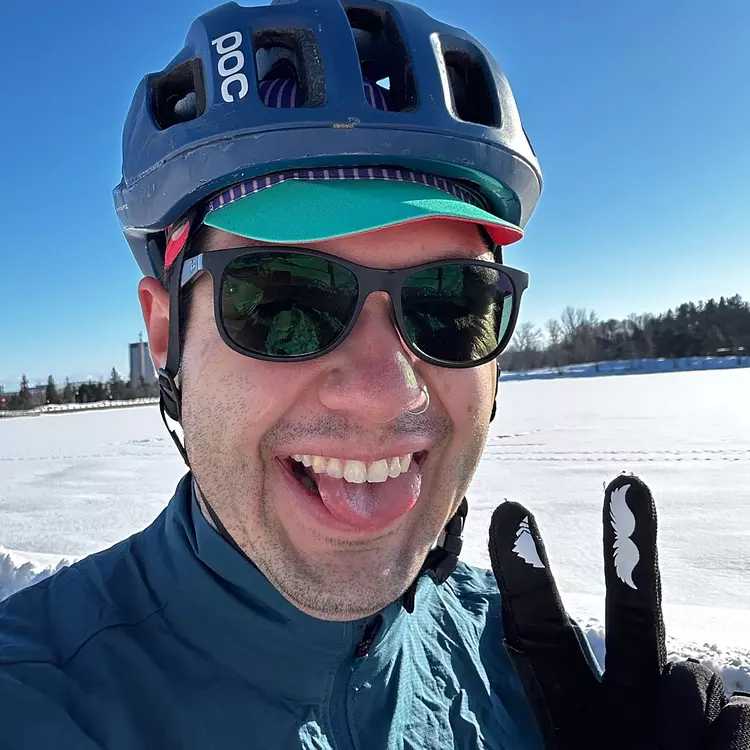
point(640, 702)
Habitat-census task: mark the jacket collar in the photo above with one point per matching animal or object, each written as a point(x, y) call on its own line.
point(220, 599)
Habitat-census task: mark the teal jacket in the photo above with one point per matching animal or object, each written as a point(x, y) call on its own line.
point(172, 640)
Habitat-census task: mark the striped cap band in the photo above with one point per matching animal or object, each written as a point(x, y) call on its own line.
point(178, 233)
point(393, 174)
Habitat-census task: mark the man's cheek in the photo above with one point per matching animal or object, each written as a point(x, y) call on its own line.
point(205, 348)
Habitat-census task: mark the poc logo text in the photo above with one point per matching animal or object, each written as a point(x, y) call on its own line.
point(231, 62)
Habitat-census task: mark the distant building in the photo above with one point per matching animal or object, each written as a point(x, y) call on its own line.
point(141, 364)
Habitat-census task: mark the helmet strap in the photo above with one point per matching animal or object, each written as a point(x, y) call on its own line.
point(442, 560)
point(202, 500)
point(169, 406)
point(170, 396)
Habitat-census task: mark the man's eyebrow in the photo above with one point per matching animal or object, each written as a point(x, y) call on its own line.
point(212, 242)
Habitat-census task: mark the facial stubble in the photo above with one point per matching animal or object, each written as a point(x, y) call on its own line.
point(347, 580)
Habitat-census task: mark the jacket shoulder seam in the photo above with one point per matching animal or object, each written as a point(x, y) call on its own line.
point(93, 635)
point(61, 664)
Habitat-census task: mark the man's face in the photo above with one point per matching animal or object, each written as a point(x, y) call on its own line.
point(244, 418)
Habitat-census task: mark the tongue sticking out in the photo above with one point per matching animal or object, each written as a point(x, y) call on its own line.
point(370, 506)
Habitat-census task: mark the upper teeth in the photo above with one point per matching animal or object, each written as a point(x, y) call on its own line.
point(357, 471)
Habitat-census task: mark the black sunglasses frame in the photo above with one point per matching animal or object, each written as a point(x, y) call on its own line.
point(369, 280)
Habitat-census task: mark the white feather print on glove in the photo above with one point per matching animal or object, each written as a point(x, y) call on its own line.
point(623, 523)
point(525, 547)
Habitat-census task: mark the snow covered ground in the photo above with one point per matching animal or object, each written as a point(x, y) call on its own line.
point(72, 484)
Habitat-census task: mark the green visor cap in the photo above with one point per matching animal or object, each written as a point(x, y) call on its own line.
point(300, 211)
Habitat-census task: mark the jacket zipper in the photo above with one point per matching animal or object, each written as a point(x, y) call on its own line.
point(371, 631)
point(338, 713)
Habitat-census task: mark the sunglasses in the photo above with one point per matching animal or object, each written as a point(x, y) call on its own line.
point(286, 304)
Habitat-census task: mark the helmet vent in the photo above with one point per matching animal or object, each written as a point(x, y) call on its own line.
point(383, 58)
point(467, 79)
point(289, 68)
point(179, 96)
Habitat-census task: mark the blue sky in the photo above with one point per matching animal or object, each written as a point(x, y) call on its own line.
point(638, 110)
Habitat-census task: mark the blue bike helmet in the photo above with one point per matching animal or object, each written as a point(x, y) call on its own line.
point(205, 122)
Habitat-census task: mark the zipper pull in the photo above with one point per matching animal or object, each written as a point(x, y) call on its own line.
point(371, 631)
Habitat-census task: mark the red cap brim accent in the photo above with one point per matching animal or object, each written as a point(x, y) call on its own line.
point(177, 234)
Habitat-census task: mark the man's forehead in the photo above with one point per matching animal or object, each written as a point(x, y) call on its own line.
point(436, 238)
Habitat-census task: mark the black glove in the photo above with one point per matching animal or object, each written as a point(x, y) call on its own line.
point(641, 702)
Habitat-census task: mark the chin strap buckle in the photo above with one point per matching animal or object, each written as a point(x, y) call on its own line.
point(170, 396)
point(441, 561)
point(170, 405)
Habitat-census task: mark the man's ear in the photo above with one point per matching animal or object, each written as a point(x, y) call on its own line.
point(154, 300)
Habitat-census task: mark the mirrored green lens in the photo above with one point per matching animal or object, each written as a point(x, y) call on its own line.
point(286, 304)
point(458, 312)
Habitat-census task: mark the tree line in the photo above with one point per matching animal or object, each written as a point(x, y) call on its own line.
point(114, 389)
point(691, 330)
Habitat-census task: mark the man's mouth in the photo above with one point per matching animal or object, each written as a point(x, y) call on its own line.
point(307, 468)
point(364, 495)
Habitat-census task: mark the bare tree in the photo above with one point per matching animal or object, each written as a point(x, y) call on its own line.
point(528, 337)
point(527, 347)
point(555, 338)
point(580, 334)
point(554, 332)
point(573, 319)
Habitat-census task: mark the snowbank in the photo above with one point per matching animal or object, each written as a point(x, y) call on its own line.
point(18, 570)
point(732, 665)
point(629, 367)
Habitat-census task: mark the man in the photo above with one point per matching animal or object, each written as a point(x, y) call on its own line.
point(325, 303)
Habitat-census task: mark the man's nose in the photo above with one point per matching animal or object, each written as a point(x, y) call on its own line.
point(372, 373)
